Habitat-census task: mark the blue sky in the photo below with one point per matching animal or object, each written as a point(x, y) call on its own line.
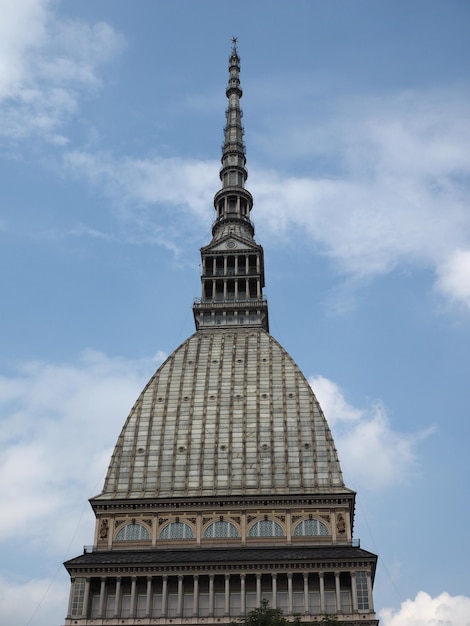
point(357, 128)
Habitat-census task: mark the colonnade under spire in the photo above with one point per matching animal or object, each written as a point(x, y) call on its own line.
point(181, 596)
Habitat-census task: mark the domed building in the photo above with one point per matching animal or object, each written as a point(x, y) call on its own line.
point(224, 488)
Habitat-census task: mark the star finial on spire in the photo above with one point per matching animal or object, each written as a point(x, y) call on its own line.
point(234, 41)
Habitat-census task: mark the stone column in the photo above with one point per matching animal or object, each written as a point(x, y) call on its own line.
point(102, 597)
point(369, 593)
point(354, 592)
point(227, 595)
point(289, 594)
point(195, 596)
point(211, 595)
point(306, 600)
point(72, 585)
point(258, 590)
point(117, 601)
point(133, 595)
point(164, 596)
point(86, 598)
point(148, 603)
point(322, 592)
point(242, 595)
point(179, 609)
point(338, 592)
point(274, 590)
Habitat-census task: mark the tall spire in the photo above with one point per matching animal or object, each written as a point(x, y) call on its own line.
point(233, 173)
point(232, 264)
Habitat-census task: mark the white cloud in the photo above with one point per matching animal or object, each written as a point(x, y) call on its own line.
point(372, 454)
point(178, 182)
point(454, 277)
point(47, 411)
point(45, 63)
point(443, 610)
point(173, 187)
point(59, 424)
point(395, 192)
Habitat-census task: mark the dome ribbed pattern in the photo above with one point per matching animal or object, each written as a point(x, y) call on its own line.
point(228, 413)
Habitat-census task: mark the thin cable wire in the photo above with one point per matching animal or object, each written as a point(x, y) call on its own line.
point(59, 567)
point(382, 562)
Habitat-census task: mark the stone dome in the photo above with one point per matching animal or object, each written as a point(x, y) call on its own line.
point(228, 413)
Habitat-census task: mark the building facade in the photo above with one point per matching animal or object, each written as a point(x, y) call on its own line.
point(224, 487)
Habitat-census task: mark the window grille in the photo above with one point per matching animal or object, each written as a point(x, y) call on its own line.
point(310, 527)
point(133, 532)
point(221, 529)
point(177, 530)
point(266, 528)
point(362, 591)
point(78, 595)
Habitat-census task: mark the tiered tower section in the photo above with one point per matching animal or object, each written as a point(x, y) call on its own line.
point(232, 264)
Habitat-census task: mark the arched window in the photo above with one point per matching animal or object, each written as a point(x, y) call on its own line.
point(177, 530)
point(221, 529)
point(310, 527)
point(133, 532)
point(266, 528)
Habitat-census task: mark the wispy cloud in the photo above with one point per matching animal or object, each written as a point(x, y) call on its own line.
point(388, 186)
point(391, 456)
point(46, 63)
point(187, 184)
point(395, 192)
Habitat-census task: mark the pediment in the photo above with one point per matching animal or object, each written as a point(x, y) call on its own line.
point(231, 242)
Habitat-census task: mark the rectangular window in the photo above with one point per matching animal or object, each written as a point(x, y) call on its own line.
point(298, 601)
point(314, 601)
point(95, 606)
point(157, 605)
point(362, 591)
point(141, 605)
point(235, 604)
point(219, 604)
point(172, 604)
point(330, 602)
point(78, 594)
point(110, 600)
point(126, 605)
point(188, 604)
